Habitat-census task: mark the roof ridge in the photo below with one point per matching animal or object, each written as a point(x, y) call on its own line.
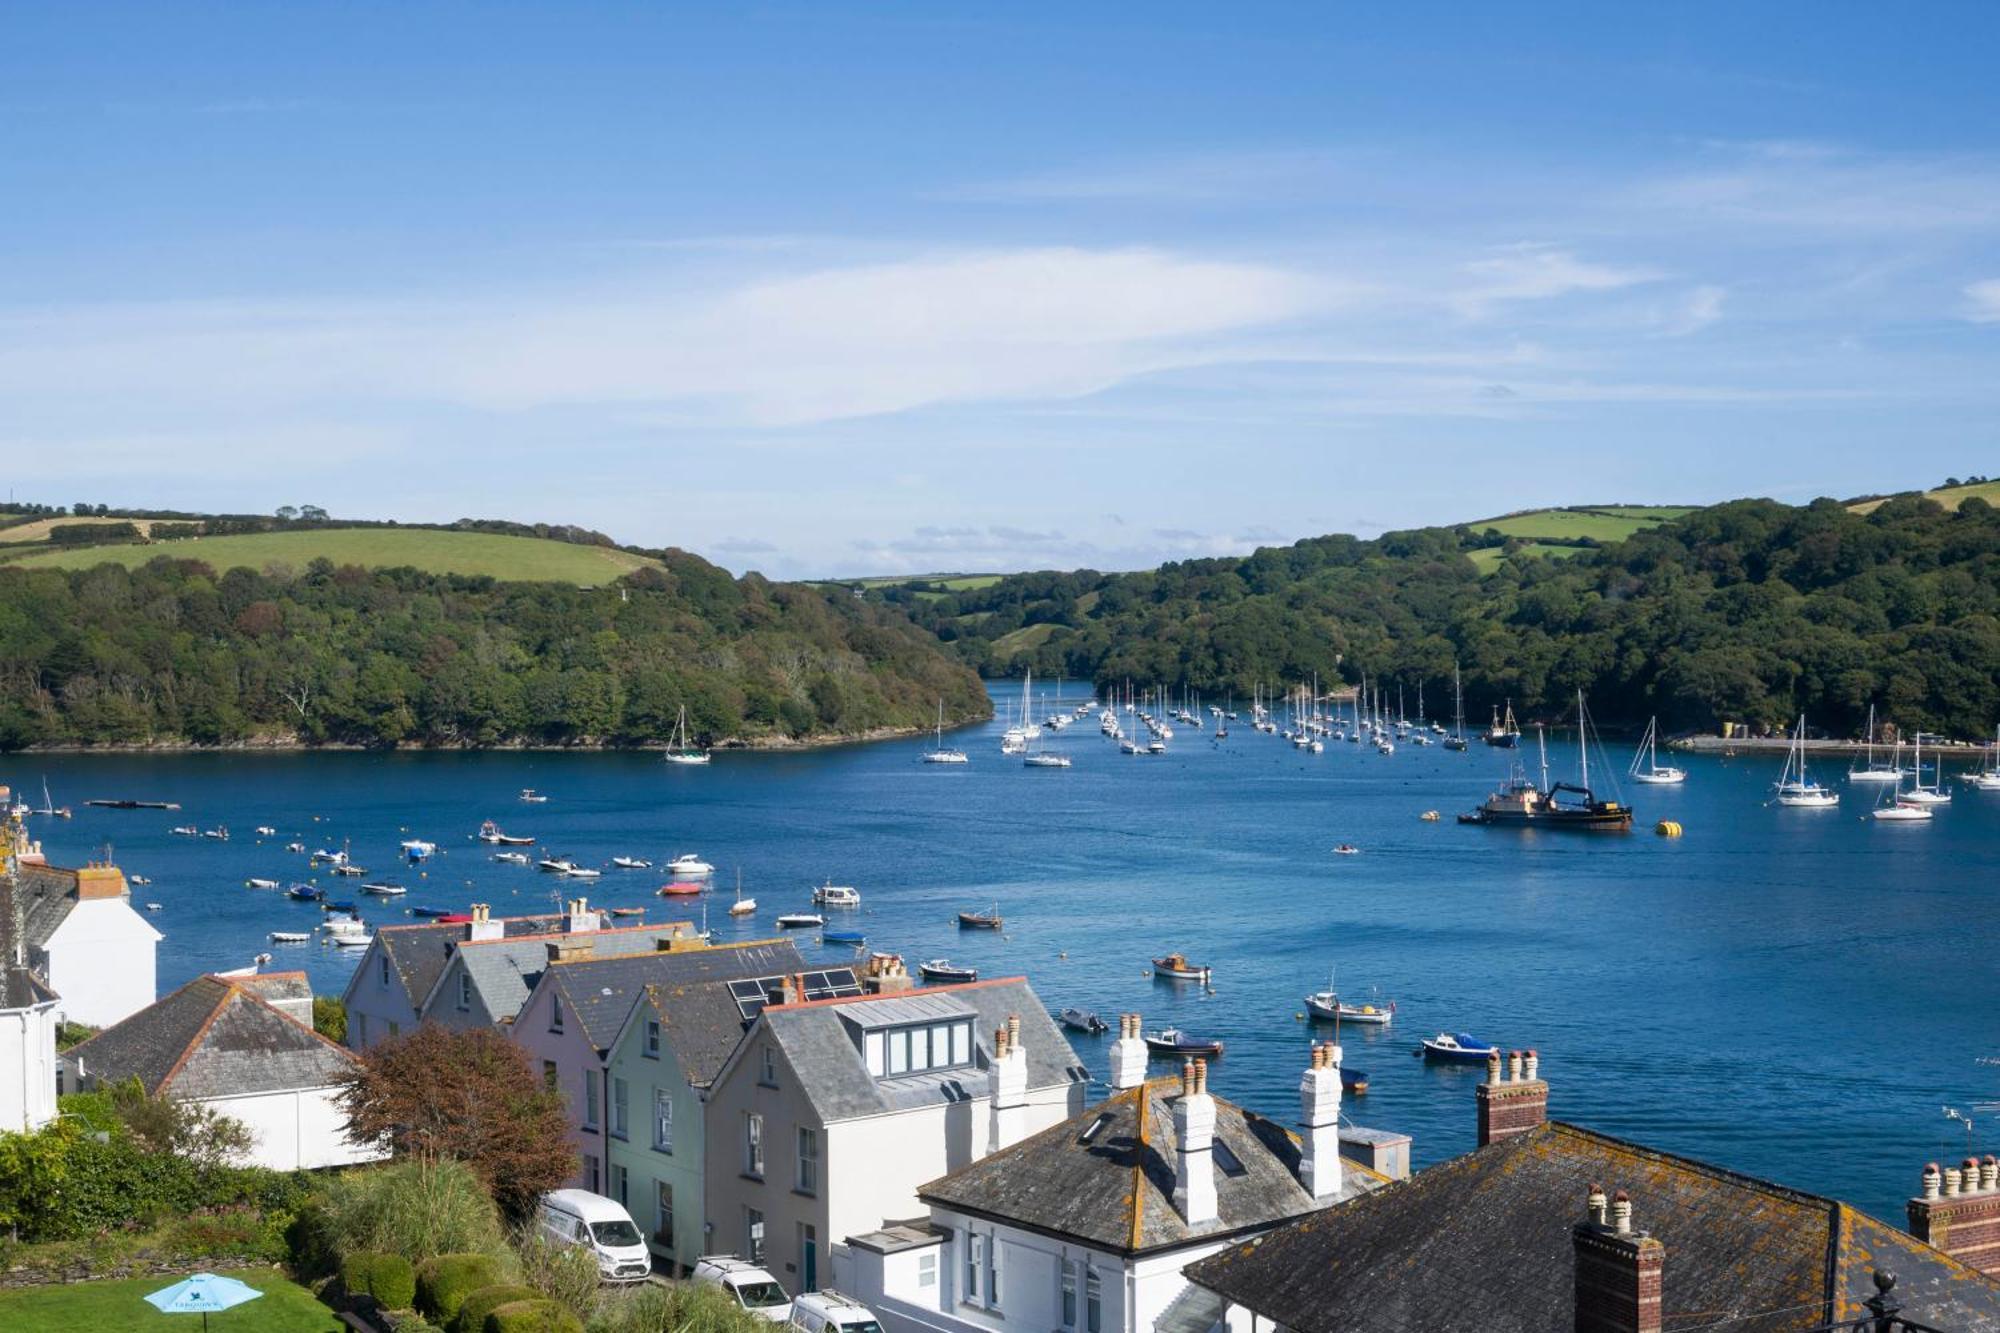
point(952, 989)
point(1143, 1104)
point(547, 935)
point(1770, 1187)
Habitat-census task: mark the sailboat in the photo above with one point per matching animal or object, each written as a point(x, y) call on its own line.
point(1919, 794)
point(742, 906)
point(1456, 741)
point(1871, 770)
point(1987, 777)
point(1646, 763)
point(49, 807)
point(942, 755)
point(1015, 739)
point(1893, 809)
point(1795, 788)
point(679, 751)
point(1520, 802)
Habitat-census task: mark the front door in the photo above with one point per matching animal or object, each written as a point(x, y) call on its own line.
point(808, 1257)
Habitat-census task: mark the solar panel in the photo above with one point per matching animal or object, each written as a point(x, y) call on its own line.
point(750, 997)
point(831, 984)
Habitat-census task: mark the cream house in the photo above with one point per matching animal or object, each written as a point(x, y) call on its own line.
point(83, 939)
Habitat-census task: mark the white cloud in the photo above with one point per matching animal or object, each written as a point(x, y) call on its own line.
point(1539, 273)
point(1818, 189)
point(1983, 302)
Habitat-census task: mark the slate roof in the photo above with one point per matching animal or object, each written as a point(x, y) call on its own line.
point(825, 1051)
point(599, 993)
point(504, 971)
point(1114, 1190)
point(45, 895)
point(418, 954)
point(211, 1038)
point(22, 989)
point(1484, 1241)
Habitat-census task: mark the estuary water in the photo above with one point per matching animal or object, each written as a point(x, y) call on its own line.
point(1794, 994)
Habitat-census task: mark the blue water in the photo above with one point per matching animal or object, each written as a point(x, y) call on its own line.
point(1794, 994)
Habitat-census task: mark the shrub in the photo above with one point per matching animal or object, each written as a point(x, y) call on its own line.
point(472, 1314)
point(683, 1307)
point(330, 1017)
point(541, 1316)
point(387, 1277)
point(444, 1282)
point(566, 1274)
point(418, 1208)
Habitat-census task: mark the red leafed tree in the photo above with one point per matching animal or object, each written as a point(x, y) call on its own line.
point(470, 1095)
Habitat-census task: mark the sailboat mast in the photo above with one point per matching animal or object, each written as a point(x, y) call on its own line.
point(1582, 741)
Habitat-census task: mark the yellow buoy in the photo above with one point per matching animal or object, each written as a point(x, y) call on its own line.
point(1668, 828)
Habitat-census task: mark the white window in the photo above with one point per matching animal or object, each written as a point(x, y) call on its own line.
point(873, 1045)
point(899, 1051)
point(975, 1265)
point(808, 1178)
point(753, 1145)
point(465, 990)
point(619, 1120)
point(590, 1095)
point(652, 1039)
point(927, 1269)
point(663, 1120)
point(993, 1273)
point(768, 1076)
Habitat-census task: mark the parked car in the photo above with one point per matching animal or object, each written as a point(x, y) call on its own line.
point(753, 1288)
point(829, 1311)
point(600, 1225)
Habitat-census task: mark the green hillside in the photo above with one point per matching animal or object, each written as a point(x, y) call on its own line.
point(1951, 497)
point(1602, 523)
point(511, 559)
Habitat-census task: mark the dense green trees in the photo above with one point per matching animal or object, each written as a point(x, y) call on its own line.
point(1749, 611)
point(175, 651)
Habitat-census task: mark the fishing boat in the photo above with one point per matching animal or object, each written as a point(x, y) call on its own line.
point(1521, 803)
point(946, 971)
point(1327, 1006)
point(1457, 1047)
point(679, 750)
point(260, 883)
point(843, 937)
point(941, 755)
point(1173, 1041)
point(1176, 967)
point(830, 894)
point(1646, 766)
point(305, 893)
point(511, 858)
point(386, 888)
point(626, 911)
point(1795, 788)
point(290, 936)
point(417, 849)
point(530, 796)
point(689, 866)
point(1082, 1020)
point(1504, 734)
point(682, 888)
point(980, 920)
point(1987, 776)
point(631, 863)
point(1919, 794)
point(800, 920)
point(1872, 769)
point(489, 832)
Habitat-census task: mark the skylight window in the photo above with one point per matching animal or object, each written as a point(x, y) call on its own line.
point(1094, 1128)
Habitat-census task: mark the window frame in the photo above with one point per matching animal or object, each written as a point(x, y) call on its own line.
point(621, 1117)
point(753, 1145)
point(663, 1125)
point(464, 991)
point(591, 1097)
point(663, 1214)
point(651, 1048)
point(555, 1014)
point(805, 1177)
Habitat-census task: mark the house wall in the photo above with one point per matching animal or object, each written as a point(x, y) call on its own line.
point(28, 1067)
point(375, 1006)
point(646, 1166)
point(100, 961)
point(577, 1064)
point(300, 1130)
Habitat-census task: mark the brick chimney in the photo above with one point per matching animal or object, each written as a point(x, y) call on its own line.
point(483, 926)
point(578, 918)
point(1514, 1103)
point(1319, 1114)
point(1128, 1055)
point(1194, 1146)
point(569, 948)
point(1007, 1087)
point(1959, 1212)
point(1618, 1270)
point(885, 974)
point(100, 880)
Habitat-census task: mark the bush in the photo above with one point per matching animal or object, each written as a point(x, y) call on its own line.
point(91, 534)
point(542, 1316)
point(330, 1017)
point(387, 1277)
point(418, 1207)
point(566, 1274)
point(472, 1314)
point(444, 1282)
point(684, 1307)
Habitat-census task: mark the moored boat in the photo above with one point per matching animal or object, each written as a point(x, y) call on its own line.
point(489, 832)
point(305, 893)
point(1328, 1007)
point(1795, 789)
point(681, 888)
point(530, 796)
point(290, 936)
point(1521, 803)
point(631, 863)
point(1176, 967)
point(689, 866)
point(260, 883)
point(980, 920)
point(1646, 765)
point(843, 937)
point(387, 888)
point(1173, 1041)
point(944, 970)
point(800, 920)
point(1082, 1020)
point(830, 894)
point(417, 849)
point(1457, 1047)
point(511, 858)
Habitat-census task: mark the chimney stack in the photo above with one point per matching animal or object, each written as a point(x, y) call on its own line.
point(579, 919)
point(1194, 1146)
point(1513, 1105)
point(1618, 1270)
point(1128, 1055)
point(483, 926)
point(99, 880)
point(885, 974)
point(1319, 1115)
point(1007, 1087)
point(1962, 1218)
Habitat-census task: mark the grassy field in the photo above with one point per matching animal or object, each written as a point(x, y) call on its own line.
point(1488, 559)
point(97, 1307)
point(1607, 523)
point(952, 582)
point(525, 559)
point(38, 531)
point(1022, 640)
point(1952, 498)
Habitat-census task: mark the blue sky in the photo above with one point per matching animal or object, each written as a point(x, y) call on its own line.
point(824, 289)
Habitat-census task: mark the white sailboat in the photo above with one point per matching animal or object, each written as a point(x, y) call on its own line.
point(1892, 809)
point(679, 750)
point(1987, 777)
point(1871, 770)
point(942, 755)
point(1795, 789)
point(1919, 794)
point(742, 906)
point(1646, 766)
point(1015, 739)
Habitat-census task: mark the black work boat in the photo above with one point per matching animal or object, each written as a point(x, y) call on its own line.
point(1173, 1041)
point(1082, 1020)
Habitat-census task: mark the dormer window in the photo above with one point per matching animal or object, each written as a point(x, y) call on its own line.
point(919, 1048)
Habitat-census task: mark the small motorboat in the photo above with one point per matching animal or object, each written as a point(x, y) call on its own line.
point(266, 831)
point(489, 832)
point(830, 894)
point(352, 941)
point(555, 865)
point(329, 857)
point(417, 849)
point(1347, 849)
point(1176, 967)
point(454, 918)
point(533, 797)
point(681, 889)
point(295, 847)
point(800, 920)
point(582, 872)
point(260, 883)
point(1043, 759)
point(843, 937)
point(627, 911)
point(1082, 1020)
point(141, 879)
point(185, 831)
point(386, 888)
point(351, 870)
point(1353, 1080)
point(944, 970)
point(155, 907)
point(429, 912)
point(1430, 816)
point(219, 834)
point(631, 863)
point(980, 920)
point(690, 865)
point(1173, 1041)
point(290, 936)
point(338, 907)
point(1326, 1007)
point(305, 893)
point(512, 858)
point(1458, 1047)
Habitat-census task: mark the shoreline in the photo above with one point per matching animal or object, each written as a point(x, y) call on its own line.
point(288, 745)
point(1779, 744)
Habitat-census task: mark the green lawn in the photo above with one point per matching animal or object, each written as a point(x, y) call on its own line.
point(100, 1307)
point(1607, 523)
point(1988, 491)
point(516, 559)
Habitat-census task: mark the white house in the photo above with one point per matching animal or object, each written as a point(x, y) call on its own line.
point(226, 1043)
point(830, 1113)
point(27, 1050)
point(1085, 1227)
point(83, 939)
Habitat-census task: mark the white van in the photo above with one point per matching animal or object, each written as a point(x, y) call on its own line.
point(829, 1311)
point(753, 1288)
point(601, 1225)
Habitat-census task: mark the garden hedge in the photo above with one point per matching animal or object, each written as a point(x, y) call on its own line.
point(471, 1317)
point(387, 1277)
point(536, 1316)
point(443, 1283)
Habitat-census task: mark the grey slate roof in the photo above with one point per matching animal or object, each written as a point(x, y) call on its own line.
point(820, 1040)
point(45, 895)
point(1115, 1191)
point(600, 992)
point(418, 954)
point(1484, 1241)
point(211, 1038)
point(504, 971)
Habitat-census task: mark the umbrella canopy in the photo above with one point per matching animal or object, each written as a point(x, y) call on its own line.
point(202, 1294)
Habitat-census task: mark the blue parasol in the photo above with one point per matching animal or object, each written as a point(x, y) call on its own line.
point(202, 1293)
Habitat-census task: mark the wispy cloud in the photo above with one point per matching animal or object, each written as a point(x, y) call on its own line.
point(1199, 179)
point(1821, 188)
point(1983, 302)
point(1539, 273)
